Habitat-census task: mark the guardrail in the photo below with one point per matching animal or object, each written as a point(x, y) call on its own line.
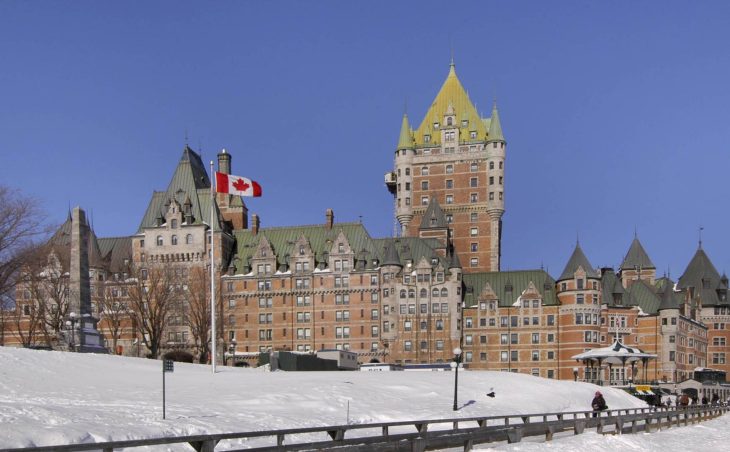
point(427, 434)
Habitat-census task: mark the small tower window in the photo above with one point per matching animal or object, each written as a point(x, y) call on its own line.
point(491, 165)
point(408, 171)
point(159, 240)
point(500, 165)
point(174, 224)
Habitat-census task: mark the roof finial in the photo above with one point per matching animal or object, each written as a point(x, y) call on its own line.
point(636, 235)
point(701, 228)
point(577, 238)
point(405, 106)
point(186, 137)
point(451, 46)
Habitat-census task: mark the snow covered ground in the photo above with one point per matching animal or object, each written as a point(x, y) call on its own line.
point(51, 398)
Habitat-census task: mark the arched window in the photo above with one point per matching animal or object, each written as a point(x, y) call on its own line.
point(411, 293)
point(159, 240)
point(424, 171)
point(424, 293)
point(174, 240)
point(188, 239)
point(403, 293)
point(435, 293)
point(444, 293)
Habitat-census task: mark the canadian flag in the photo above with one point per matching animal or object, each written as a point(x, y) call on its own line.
point(236, 185)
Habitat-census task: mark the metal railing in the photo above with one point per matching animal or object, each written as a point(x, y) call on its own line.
point(430, 434)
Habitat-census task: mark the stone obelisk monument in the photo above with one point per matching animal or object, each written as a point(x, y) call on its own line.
point(89, 338)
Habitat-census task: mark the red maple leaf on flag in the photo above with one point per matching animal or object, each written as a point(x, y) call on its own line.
point(240, 185)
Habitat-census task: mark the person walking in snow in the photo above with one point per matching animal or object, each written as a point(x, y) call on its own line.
point(598, 403)
point(683, 400)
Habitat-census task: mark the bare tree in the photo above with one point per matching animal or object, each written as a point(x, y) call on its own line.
point(21, 222)
point(197, 296)
point(113, 310)
point(46, 280)
point(153, 292)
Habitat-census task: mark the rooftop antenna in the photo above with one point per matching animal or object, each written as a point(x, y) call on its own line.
point(701, 229)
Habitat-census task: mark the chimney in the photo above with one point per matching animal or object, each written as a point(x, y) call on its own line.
point(329, 219)
point(255, 223)
point(224, 162)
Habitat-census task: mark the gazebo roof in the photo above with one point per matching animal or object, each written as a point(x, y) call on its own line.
point(617, 353)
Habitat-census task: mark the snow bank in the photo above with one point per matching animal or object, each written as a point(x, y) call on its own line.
point(51, 398)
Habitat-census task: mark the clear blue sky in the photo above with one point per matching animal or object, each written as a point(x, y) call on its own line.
point(616, 113)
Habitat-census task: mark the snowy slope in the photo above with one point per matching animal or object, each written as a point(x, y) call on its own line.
point(55, 398)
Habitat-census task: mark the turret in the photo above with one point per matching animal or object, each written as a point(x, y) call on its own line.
point(404, 174)
point(224, 162)
point(495, 147)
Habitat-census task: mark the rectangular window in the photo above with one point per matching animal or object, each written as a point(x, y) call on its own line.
point(535, 338)
point(551, 320)
point(449, 183)
point(473, 182)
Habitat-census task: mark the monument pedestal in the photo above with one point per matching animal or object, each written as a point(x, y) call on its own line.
point(90, 340)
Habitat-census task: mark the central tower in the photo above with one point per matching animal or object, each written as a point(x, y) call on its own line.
point(456, 157)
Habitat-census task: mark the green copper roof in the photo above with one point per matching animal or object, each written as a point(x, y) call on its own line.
point(434, 217)
point(636, 257)
point(406, 134)
point(115, 250)
point(611, 288)
point(321, 239)
point(518, 280)
point(390, 254)
point(702, 275)
point(414, 249)
point(668, 299)
point(495, 128)
point(455, 261)
point(640, 294)
point(190, 180)
point(578, 259)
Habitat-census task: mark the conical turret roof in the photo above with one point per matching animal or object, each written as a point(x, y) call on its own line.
point(434, 217)
point(406, 134)
point(668, 299)
point(699, 268)
point(577, 259)
point(495, 128)
point(636, 257)
point(451, 93)
point(455, 262)
point(391, 254)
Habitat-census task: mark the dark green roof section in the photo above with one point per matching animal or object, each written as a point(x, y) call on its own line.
point(434, 217)
point(189, 181)
point(611, 287)
point(115, 250)
point(640, 294)
point(413, 249)
point(700, 267)
point(668, 298)
point(519, 281)
point(390, 253)
point(636, 257)
point(578, 259)
point(321, 239)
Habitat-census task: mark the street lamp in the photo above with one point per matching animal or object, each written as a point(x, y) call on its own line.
point(232, 351)
point(457, 360)
point(575, 374)
point(71, 324)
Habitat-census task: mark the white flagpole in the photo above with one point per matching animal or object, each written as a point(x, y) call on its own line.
point(212, 269)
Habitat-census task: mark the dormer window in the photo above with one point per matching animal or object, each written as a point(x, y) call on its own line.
point(449, 121)
point(436, 125)
point(427, 138)
point(263, 253)
point(174, 224)
point(340, 248)
point(472, 135)
point(464, 123)
point(301, 250)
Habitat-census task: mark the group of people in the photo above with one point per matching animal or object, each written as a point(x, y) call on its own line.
point(685, 400)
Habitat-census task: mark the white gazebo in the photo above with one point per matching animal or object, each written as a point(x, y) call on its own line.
point(615, 354)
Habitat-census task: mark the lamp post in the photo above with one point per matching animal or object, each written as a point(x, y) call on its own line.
point(232, 351)
point(457, 360)
point(71, 324)
point(575, 374)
